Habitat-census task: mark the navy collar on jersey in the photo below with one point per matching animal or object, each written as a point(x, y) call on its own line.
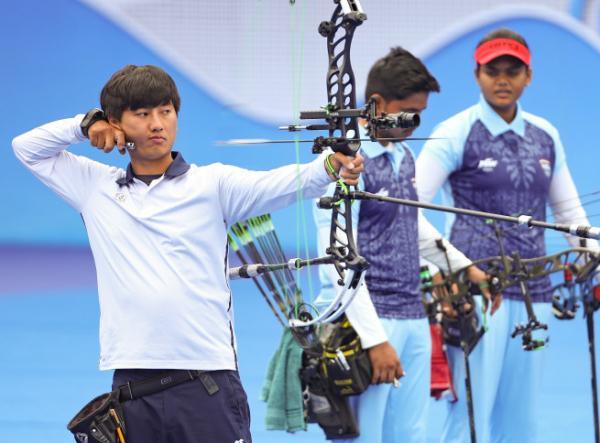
point(178, 167)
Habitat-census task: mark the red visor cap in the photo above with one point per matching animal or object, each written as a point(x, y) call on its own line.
point(502, 46)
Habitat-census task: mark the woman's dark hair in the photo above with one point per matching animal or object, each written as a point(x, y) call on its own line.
point(503, 33)
point(134, 87)
point(398, 75)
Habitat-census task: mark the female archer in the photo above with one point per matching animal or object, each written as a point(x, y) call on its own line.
point(496, 157)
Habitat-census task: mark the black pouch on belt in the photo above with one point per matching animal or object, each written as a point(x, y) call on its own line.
point(330, 411)
point(100, 421)
point(344, 363)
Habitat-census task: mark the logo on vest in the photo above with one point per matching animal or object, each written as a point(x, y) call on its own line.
point(488, 164)
point(383, 192)
point(546, 166)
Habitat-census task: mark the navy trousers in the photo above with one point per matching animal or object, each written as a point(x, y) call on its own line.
point(186, 413)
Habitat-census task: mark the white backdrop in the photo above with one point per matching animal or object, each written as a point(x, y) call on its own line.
point(247, 53)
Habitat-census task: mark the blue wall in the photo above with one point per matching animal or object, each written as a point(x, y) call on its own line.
point(58, 54)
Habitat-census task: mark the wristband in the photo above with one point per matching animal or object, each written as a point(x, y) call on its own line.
point(93, 115)
point(330, 169)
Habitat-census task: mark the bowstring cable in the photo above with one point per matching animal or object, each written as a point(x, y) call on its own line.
point(297, 53)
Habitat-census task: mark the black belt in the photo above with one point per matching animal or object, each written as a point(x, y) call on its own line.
point(149, 386)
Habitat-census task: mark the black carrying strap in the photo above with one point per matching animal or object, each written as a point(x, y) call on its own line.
point(149, 386)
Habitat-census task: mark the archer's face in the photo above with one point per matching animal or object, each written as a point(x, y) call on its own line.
point(415, 103)
point(502, 82)
point(153, 130)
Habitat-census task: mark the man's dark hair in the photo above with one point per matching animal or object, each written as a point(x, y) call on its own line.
point(134, 87)
point(399, 75)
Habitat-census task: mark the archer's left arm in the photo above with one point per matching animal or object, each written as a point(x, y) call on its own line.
point(244, 193)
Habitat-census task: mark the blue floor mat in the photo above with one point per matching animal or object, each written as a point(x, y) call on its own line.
point(49, 353)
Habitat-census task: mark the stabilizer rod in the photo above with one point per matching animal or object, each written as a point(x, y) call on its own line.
point(583, 231)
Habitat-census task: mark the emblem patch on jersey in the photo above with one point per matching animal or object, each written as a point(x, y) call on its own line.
point(383, 192)
point(487, 164)
point(120, 197)
point(546, 166)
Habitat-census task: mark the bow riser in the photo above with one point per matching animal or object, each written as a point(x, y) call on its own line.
point(341, 84)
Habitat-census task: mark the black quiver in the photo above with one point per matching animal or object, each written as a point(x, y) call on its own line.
point(340, 369)
point(100, 421)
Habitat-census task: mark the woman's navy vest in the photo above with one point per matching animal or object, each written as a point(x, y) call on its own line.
point(511, 175)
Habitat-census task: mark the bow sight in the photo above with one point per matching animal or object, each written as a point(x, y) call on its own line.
point(350, 145)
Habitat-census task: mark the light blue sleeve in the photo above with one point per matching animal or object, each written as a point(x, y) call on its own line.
point(446, 146)
point(559, 153)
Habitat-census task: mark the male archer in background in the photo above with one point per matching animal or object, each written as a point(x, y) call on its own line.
point(158, 233)
point(388, 312)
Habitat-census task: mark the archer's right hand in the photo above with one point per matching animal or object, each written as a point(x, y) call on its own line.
point(104, 136)
point(385, 363)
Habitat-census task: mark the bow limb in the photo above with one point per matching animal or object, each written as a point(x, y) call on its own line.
point(337, 306)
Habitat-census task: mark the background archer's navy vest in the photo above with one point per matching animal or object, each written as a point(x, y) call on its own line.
point(388, 239)
point(511, 175)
